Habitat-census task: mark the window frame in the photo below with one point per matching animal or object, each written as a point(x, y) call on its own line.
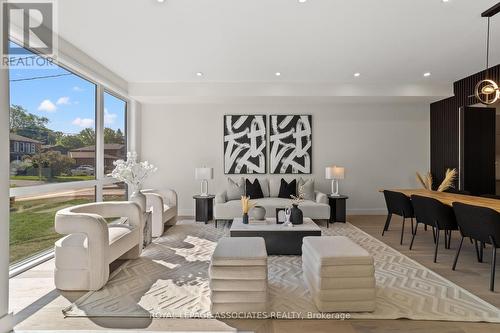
point(100, 180)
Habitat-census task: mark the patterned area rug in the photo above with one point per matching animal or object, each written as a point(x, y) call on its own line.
point(171, 280)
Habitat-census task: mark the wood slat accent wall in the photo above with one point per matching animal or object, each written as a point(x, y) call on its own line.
point(444, 118)
point(444, 137)
point(464, 88)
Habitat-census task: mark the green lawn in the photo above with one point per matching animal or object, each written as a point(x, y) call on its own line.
point(57, 179)
point(32, 225)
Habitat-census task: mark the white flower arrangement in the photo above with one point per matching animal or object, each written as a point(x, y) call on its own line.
point(131, 172)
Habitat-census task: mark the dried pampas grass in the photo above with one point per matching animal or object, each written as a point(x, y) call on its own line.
point(426, 181)
point(449, 179)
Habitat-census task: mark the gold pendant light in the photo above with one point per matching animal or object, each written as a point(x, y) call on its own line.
point(486, 90)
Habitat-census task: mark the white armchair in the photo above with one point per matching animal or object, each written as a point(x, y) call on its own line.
point(163, 205)
point(83, 257)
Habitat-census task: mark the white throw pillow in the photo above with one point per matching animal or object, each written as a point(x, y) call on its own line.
point(307, 188)
point(235, 189)
point(274, 187)
point(264, 185)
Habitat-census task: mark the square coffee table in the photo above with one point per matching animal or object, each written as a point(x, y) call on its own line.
point(279, 238)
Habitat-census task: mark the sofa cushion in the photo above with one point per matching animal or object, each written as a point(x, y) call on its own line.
point(307, 188)
point(238, 285)
point(253, 190)
point(243, 307)
point(235, 189)
point(344, 271)
point(335, 250)
point(238, 272)
point(264, 186)
point(287, 189)
point(240, 251)
point(238, 296)
point(274, 187)
point(169, 212)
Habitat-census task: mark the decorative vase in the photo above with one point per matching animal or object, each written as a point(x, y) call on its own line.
point(258, 213)
point(245, 218)
point(296, 217)
point(139, 198)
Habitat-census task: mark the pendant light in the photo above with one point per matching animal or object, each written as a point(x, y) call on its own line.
point(486, 90)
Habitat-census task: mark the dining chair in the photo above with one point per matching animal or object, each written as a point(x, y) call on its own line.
point(434, 213)
point(398, 204)
point(482, 224)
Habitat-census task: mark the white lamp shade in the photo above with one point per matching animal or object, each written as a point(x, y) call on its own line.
point(203, 173)
point(334, 172)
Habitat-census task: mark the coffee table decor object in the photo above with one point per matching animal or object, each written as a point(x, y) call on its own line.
point(258, 213)
point(297, 215)
point(245, 207)
point(279, 238)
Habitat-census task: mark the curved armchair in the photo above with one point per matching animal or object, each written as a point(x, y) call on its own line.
point(83, 257)
point(163, 205)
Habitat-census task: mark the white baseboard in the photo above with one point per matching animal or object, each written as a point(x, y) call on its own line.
point(367, 211)
point(6, 323)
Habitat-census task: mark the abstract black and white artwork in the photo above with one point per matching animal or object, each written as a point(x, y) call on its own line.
point(245, 140)
point(290, 144)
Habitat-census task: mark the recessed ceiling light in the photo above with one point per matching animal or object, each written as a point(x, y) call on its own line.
point(445, 0)
point(427, 74)
point(199, 74)
point(357, 74)
point(277, 74)
point(302, 1)
point(161, 1)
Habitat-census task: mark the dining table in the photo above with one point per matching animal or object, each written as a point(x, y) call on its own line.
point(449, 198)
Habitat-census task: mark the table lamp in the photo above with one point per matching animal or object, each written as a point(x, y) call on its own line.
point(335, 173)
point(204, 174)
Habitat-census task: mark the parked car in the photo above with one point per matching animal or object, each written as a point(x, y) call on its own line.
point(83, 170)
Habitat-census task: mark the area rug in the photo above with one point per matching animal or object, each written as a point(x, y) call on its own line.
point(171, 280)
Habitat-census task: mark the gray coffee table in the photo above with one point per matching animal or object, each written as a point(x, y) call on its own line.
point(279, 238)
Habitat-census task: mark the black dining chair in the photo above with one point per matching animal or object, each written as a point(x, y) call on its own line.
point(455, 191)
point(434, 213)
point(481, 224)
point(490, 196)
point(398, 204)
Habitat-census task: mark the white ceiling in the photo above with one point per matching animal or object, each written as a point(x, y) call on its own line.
point(390, 42)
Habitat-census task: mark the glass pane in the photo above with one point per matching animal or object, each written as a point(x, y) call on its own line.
point(52, 126)
point(32, 220)
point(115, 117)
point(115, 192)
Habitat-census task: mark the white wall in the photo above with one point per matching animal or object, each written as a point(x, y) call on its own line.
point(380, 145)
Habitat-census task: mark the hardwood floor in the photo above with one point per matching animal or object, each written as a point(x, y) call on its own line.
point(37, 304)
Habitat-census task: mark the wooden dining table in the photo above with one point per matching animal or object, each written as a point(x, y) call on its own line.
point(450, 198)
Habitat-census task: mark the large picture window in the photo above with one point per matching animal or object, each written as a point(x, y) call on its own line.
point(115, 144)
point(52, 126)
point(56, 156)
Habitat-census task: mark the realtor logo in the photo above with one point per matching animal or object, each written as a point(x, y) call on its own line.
point(27, 29)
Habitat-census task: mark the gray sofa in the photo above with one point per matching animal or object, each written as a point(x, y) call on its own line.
point(317, 209)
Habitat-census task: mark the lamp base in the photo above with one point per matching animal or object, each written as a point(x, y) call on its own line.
point(204, 188)
point(334, 195)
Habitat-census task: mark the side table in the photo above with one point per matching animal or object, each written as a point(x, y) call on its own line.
point(204, 207)
point(337, 208)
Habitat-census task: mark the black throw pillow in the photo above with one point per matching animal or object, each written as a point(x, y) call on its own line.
point(287, 189)
point(254, 191)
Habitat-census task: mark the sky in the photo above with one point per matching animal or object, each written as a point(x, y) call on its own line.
point(68, 101)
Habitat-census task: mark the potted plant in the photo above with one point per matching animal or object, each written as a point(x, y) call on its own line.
point(134, 174)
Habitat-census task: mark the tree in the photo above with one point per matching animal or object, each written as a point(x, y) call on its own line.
point(31, 126)
point(70, 141)
point(110, 136)
point(87, 136)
